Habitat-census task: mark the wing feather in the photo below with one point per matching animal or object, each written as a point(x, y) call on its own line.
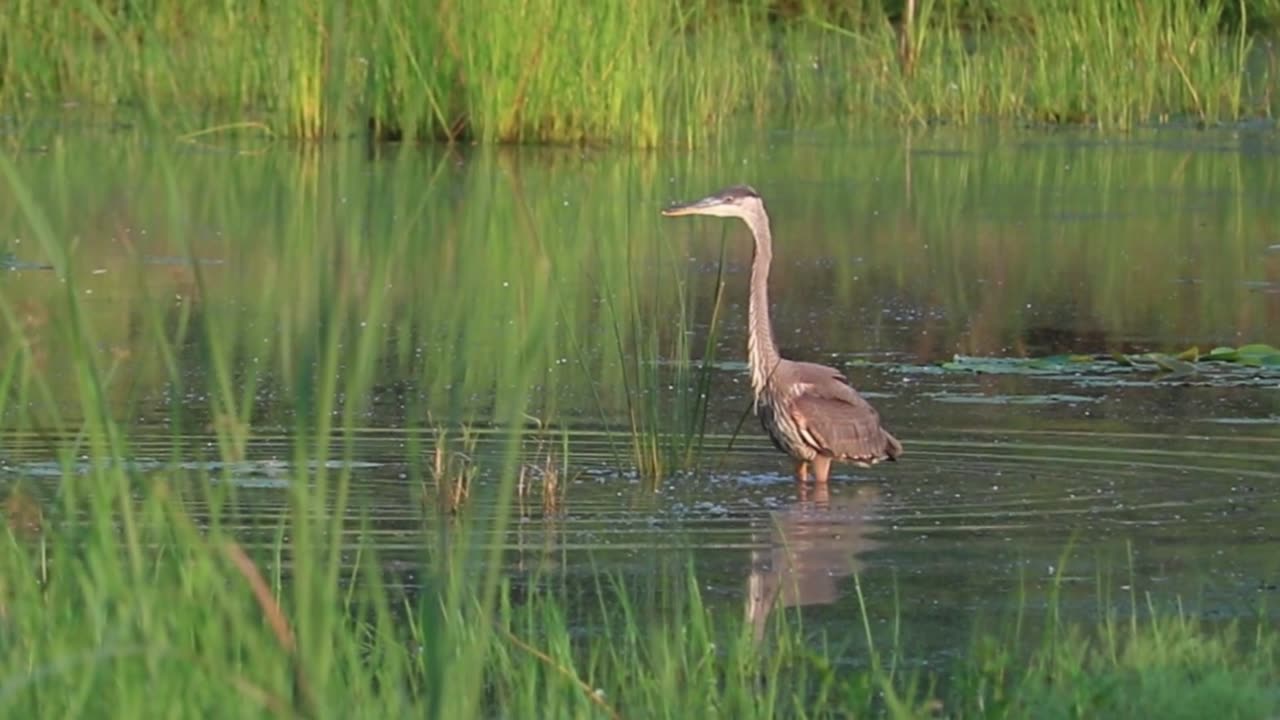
point(835, 420)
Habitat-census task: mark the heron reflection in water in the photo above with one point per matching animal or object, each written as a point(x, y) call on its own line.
point(810, 411)
point(813, 545)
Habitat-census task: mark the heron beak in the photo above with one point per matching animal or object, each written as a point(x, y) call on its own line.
point(697, 207)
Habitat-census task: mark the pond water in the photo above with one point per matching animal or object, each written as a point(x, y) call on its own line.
point(550, 274)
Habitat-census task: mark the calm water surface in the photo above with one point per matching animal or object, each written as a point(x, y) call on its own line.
point(894, 254)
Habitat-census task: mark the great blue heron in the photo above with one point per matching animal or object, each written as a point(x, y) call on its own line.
point(809, 410)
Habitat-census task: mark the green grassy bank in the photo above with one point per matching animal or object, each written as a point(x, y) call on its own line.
point(675, 72)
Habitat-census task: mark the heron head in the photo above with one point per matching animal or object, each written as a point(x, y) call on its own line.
point(738, 201)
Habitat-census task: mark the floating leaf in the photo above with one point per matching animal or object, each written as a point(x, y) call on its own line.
point(1257, 349)
point(1224, 354)
point(1144, 360)
point(1051, 361)
point(1173, 364)
point(1009, 366)
point(983, 399)
point(1257, 354)
point(1213, 367)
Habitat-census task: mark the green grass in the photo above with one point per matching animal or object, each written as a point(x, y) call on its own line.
point(677, 72)
point(1167, 664)
point(171, 619)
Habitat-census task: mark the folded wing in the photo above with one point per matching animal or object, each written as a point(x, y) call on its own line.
point(835, 420)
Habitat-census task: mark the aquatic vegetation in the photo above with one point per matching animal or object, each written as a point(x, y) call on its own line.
point(545, 471)
point(1128, 667)
point(667, 392)
point(648, 74)
point(1256, 354)
point(1221, 365)
point(453, 470)
point(197, 625)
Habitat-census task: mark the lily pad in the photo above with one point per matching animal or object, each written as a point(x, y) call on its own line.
point(1234, 364)
point(982, 399)
point(1019, 366)
point(1224, 354)
point(1258, 354)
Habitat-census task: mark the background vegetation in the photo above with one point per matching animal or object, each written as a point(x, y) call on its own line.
point(676, 72)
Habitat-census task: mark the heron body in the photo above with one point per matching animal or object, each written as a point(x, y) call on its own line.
point(810, 411)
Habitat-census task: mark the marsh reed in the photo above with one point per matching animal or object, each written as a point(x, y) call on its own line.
point(673, 73)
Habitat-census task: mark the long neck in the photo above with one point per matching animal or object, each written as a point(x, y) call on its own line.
point(762, 353)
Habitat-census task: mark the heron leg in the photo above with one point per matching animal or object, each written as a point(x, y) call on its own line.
point(821, 496)
point(802, 471)
point(821, 469)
